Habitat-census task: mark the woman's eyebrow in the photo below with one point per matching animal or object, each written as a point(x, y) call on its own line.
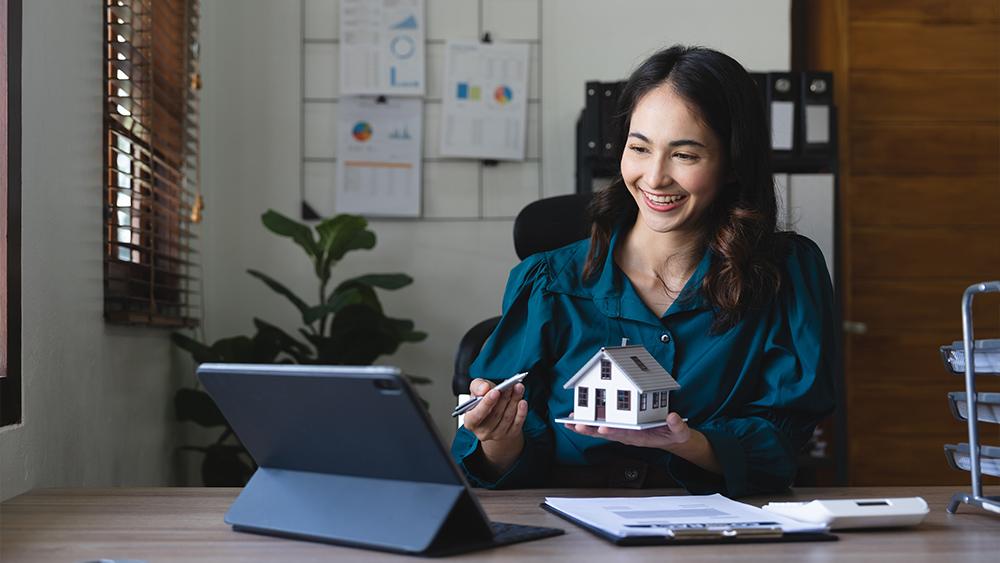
point(677, 143)
point(686, 142)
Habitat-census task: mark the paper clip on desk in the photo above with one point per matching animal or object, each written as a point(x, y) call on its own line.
point(983, 357)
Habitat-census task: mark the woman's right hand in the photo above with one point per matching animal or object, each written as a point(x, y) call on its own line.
point(497, 421)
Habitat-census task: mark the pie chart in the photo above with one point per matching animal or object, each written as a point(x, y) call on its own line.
point(503, 94)
point(362, 131)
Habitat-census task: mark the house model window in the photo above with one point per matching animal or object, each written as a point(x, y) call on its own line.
point(632, 378)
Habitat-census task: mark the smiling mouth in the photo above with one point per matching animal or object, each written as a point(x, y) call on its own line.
point(663, 199)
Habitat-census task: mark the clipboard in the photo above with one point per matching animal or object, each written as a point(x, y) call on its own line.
point(697, 536)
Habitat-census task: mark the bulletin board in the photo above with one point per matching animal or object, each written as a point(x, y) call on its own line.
point(453, 189)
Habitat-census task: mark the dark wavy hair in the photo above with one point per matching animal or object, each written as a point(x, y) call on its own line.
point(741, 224)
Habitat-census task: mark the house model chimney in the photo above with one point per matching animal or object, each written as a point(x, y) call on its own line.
point(624, 341)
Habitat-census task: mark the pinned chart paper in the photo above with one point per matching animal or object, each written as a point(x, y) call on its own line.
point(485, 109)
point(382, 47)
point(378, 156)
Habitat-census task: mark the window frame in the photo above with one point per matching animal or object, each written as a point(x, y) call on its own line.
point(624, 400)
point(605, 369)
point(10, 237)
point(581, 397)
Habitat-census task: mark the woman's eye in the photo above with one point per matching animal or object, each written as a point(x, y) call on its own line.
point(685, 156)
point(637, 148)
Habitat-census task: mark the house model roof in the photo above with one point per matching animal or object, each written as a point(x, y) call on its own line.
point(639, 366)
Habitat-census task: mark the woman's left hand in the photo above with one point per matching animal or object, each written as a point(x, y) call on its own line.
point(676, 437)
point(675, 433)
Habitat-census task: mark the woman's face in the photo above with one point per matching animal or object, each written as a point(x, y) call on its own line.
point(673, 164)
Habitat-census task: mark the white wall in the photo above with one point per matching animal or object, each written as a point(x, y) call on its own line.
point(96, 398)
point(251, 144)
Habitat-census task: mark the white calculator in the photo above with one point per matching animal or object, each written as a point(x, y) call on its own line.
point(855, 513)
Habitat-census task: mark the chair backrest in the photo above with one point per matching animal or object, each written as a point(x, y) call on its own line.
point(550, 223)
point(542, 225)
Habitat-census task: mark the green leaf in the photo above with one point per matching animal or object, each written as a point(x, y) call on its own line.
point(271, 337)
point(286, 227)
point(235, 349)
point(339, 235)
point(366, 294)
point(357, 337)
point(199, 352)
point(336, 302)
point(415, 336)
point(278, 287)
point(196, 406)
point(382, 281)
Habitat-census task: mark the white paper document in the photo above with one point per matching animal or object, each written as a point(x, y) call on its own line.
point(485, 105)
point(658, 516)
point(378, 156)
point(382, 47)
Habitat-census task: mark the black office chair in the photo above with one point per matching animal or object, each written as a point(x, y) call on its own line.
point(542, 225)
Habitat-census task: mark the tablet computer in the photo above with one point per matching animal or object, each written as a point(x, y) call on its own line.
point(349, 455)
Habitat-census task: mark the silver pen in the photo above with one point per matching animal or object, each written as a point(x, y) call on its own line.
point(471, 403)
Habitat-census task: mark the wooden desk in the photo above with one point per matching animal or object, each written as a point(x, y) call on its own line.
point(185, 524)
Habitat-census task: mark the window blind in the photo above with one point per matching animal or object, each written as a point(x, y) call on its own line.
point(10, 212)
point(151, 140)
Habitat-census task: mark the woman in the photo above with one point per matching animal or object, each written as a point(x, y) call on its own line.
point(684, 259)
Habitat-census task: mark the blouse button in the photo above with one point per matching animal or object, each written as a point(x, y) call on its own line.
point(664, 338)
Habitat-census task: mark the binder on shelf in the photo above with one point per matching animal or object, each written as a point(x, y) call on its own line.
point(760, 79)
point(590, 121)
point(782, 91)
point(608, 103)
point(816, 110)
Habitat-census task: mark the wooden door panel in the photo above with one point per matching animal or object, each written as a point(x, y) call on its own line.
point(904, 410)
point(924, 201)
point(899, 45)
point(942, 11)
point(907, 460)
point(905, 358)
point(923, 95)
point(902, 305)
point(966, 252)
point(925, 150)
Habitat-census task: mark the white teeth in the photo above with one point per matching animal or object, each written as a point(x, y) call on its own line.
point(664, 199)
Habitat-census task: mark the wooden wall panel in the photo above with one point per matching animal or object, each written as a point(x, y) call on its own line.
point(895, 410)
point(940, 11)
point(918, 86)
point(923, 95)
point(884, 45)
point(968, 252)
point(907, 357)
point(907, 460)
point(925, 149)
point(899, 305)
point(924, 200)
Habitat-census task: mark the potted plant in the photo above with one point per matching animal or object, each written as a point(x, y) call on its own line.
point(347, 326)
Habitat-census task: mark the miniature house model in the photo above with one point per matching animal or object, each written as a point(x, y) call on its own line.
point(621, 386)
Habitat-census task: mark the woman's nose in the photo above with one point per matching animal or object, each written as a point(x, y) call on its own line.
point(658, 175)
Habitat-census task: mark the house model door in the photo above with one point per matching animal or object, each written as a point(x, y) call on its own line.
point(599, 401)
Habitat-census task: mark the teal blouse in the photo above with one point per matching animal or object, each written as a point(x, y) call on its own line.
point(755, 391)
